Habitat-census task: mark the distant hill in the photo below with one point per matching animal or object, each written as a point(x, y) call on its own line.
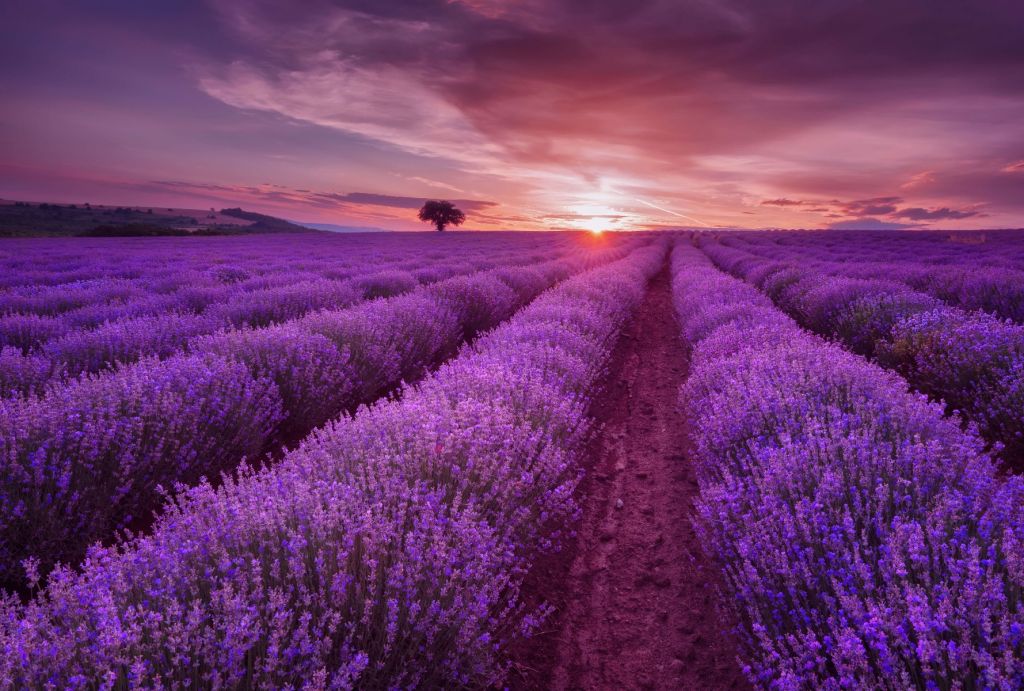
point(334, 228)
point(29, 219)
point(261, 223)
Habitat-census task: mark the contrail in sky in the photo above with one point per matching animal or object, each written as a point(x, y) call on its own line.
point(674, 213)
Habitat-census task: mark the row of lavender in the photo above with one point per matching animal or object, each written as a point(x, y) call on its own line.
point(90, 457)
point(196, 273)
point(127, 340)
point(941, 269)
point(1003, 249)
point(28, 266)
point(121, 320)
point(971, 360)
point(385, 552)
point(865, 539)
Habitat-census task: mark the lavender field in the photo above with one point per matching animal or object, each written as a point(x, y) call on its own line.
point(718, 459)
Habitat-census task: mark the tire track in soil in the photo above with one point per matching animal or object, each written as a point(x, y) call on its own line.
point(635, 595)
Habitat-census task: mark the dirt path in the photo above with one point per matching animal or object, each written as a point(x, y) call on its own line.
point(635, 596)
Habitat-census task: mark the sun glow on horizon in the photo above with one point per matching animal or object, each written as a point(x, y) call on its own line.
point(596, 214)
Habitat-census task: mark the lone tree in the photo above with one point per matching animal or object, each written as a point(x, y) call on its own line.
point(441, 214)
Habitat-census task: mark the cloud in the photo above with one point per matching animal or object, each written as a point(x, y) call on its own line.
point(919, 214)
point(584, 216)
point(785, 202)
point(876, 206)
point(435, 183)
point(335, 200)
point(367, 198)
point(869, 210)
point(869, 224)
point(924, 177)
point(708, 107)
point(539, 81)
point(382, 103)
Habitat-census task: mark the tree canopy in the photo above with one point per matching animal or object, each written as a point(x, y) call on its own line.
point(442, 214)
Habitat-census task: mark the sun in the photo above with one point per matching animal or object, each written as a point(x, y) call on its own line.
point(596, 218)
point(599, 225)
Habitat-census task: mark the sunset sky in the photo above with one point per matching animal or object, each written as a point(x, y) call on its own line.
point(594, 114)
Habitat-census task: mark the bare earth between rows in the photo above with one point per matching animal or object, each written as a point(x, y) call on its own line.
point(635, 595)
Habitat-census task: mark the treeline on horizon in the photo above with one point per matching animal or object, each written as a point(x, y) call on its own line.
point(24, 219)
point(134, 230)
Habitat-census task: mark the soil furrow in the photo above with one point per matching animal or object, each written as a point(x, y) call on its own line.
point(635, 595)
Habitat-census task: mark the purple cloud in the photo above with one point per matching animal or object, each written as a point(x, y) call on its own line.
point(869, 224)
point(784, 202)
point(401, 202)
point(877, 206)
point(919, 214)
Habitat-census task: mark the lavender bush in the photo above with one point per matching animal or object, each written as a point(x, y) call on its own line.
point(974, 362)
point(25, 374)
point(271, 305)
point(127, 340)
point(26, 331)
point(972, 276)
point(302, 374)
point(386, 283)
point(81, 460)
point(386, 551)
point(313, 376)
point(865, 541)
point(971, 361)
point(158, 311)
